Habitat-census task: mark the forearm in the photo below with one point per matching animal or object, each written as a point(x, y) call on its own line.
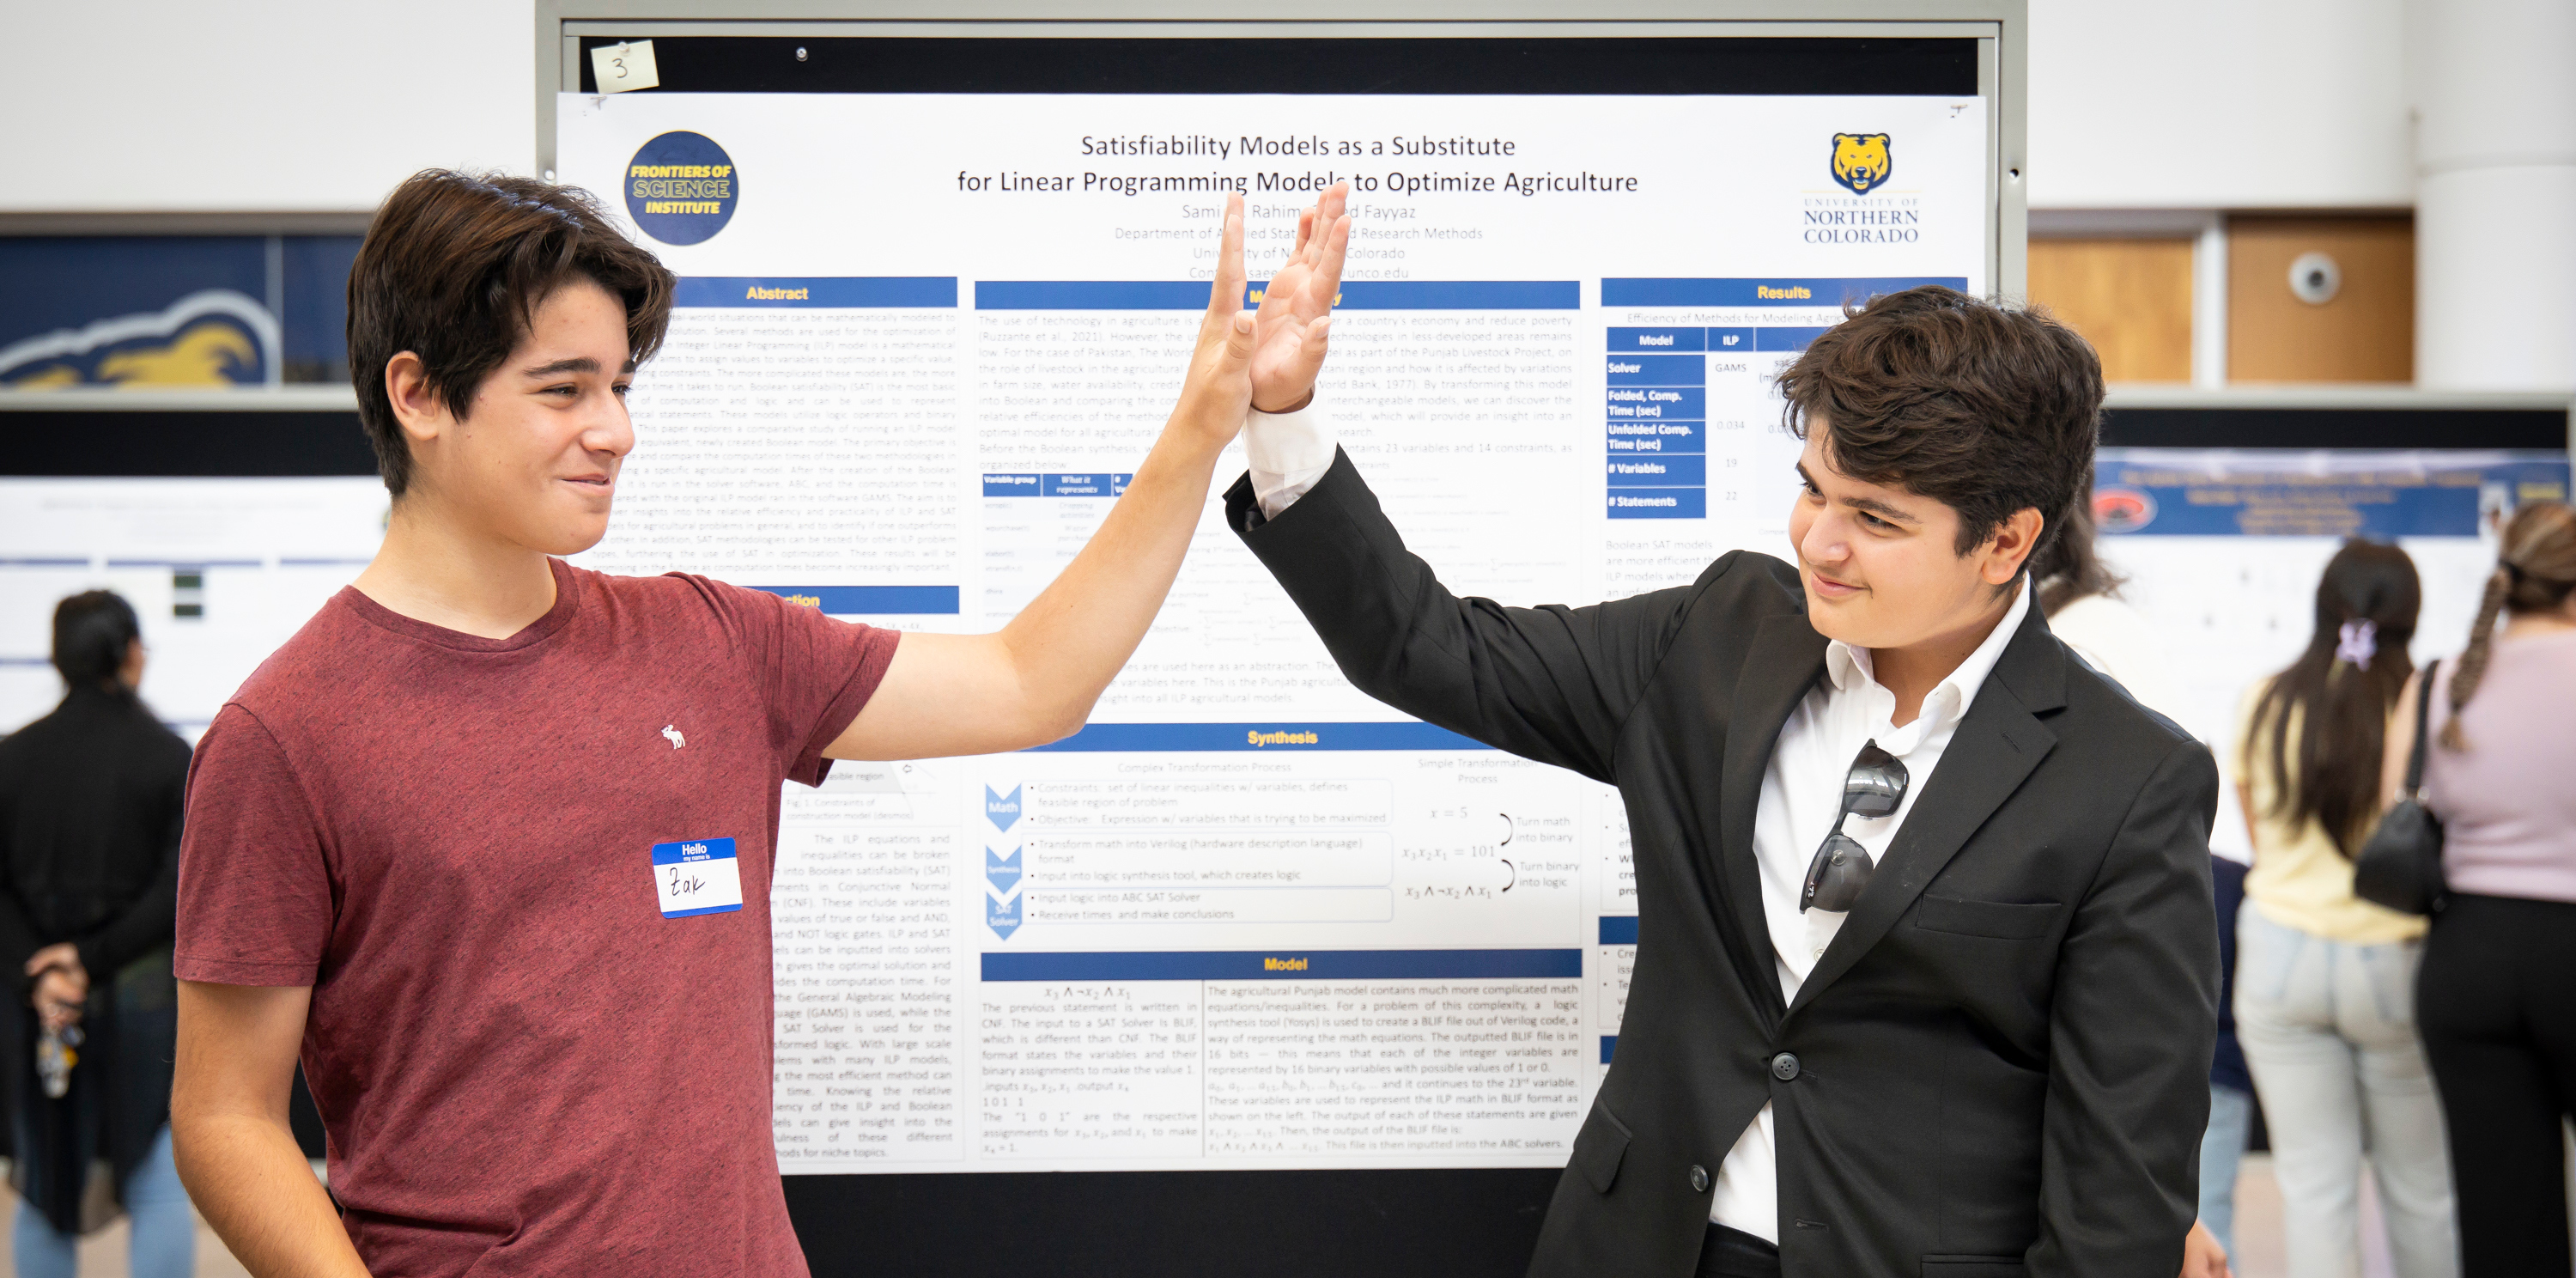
point(1072, 639)
point(250, 1181)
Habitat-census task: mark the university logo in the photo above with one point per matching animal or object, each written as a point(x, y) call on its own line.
point(1860, 161)
point(681, 188)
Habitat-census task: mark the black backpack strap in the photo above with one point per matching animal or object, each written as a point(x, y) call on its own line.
point(2423, 732)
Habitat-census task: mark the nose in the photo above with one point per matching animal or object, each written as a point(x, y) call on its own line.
point(610, 429)
point(1827, 541)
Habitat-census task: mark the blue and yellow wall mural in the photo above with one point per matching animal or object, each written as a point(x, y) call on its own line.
point(153, 312)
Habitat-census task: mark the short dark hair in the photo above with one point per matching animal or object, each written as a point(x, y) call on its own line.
point(453, 269)
point(93, 631)
point(1984, 408)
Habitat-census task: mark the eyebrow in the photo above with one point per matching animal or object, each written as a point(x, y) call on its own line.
point(1871, 504)
point(577, 364)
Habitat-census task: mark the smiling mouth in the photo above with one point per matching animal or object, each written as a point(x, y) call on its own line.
point(1831, 588)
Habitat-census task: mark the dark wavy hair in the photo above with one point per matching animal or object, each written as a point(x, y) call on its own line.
point(2067, 569)
point(453, 269)
point(93, 631)
point(1987, 409)
point(2342, 706)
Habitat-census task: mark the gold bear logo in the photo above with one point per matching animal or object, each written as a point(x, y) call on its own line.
point(1860, 160)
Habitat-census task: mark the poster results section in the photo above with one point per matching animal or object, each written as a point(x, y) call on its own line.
point(1248, 917)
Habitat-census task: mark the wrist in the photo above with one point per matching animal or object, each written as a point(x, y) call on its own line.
point(1302, 401)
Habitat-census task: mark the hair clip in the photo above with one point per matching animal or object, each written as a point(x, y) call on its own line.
point(2358, 642)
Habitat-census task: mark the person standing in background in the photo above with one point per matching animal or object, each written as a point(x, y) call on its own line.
point(2080, 595)
point(90, 799)
point(2498, 990)
point(2324, 993)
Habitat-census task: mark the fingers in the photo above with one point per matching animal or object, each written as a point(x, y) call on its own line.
point(1327, 277)
point(1225, 295)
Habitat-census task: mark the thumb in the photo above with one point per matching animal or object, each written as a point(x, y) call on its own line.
point(1238, 343)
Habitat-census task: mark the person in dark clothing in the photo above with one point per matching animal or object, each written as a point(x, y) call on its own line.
point(90, 799)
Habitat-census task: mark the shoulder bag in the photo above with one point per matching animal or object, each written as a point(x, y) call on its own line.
point(2401, 866)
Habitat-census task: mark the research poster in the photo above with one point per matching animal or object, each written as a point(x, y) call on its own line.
point(1247, 918)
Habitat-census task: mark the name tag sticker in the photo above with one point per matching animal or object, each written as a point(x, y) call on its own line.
point(697, 876)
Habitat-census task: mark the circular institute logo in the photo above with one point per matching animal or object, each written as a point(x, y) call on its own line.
point(682, 188)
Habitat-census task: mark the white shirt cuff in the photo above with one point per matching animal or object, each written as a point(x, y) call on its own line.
point(1288, 453)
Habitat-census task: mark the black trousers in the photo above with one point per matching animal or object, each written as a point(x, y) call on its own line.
point(1732, 1253)
point(2496, 1003)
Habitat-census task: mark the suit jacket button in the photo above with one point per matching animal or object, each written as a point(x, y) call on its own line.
point(1784, 1066)
point(1699, 1179)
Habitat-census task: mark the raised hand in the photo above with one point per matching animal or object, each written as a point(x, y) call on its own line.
point(1217, 389)
point(1291, 330)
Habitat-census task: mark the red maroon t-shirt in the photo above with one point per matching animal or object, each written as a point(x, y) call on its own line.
point(523, 1065)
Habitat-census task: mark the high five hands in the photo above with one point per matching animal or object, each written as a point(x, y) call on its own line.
point(1268, 358)
point(1293, 325)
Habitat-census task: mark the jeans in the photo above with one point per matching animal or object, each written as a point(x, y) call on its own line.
point(2329, 1031)
point(2222, 1148)
point(164, 1243)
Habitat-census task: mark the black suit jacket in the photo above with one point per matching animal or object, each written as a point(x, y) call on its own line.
point(2001, 1064)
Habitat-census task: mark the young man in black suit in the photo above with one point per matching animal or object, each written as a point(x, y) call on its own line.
point(1927, 970)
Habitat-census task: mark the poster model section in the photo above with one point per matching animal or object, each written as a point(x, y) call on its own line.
point(1247, 917)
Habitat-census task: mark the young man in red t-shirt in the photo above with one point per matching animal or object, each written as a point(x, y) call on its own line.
point(488, 842)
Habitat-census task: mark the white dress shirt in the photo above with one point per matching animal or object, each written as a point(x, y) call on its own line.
point(1802, 787)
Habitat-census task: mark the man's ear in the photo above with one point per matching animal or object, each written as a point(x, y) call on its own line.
point(2010, 547)
point(416, 405)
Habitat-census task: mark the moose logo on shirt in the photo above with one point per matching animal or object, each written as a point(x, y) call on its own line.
point(674, 734)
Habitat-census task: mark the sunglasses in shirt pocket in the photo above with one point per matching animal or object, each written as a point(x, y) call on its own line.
point(1994, 920)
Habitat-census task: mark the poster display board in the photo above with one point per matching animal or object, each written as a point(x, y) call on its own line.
point(1247, 917)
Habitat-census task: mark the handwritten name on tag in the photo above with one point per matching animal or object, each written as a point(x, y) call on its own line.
point(697, 876)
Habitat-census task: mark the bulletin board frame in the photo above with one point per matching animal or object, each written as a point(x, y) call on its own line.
point(1345, 1222)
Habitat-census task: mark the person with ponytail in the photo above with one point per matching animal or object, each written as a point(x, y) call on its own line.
point(90, 799)
point(2498, 990)
point(2325, 980)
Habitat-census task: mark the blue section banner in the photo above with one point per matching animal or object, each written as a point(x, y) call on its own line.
point(1762, 292)
point(1264, 736)
point(1453, 295)
point(1609, 1045)
point(1357, 295)
point(1286, 965)
point(1618, 929)
point(844, 292)
point(1090, 295)
point(843, 601)
point(2284, 493)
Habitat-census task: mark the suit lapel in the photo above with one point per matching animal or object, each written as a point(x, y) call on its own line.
point(1995, 748)
point(1788, 657)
